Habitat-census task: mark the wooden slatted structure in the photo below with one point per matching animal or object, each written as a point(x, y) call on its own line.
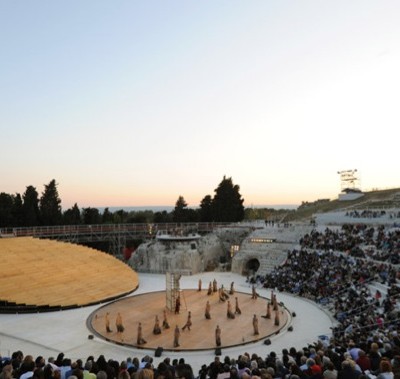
point(40, 275)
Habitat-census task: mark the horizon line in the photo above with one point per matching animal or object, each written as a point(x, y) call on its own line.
point(149, 207)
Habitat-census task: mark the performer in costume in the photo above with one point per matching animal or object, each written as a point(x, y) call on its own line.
point(107, 320)
point(165, 323)
point(218, 336)
point(275, 303)
point(222, 294)
point(268, 315)
point(177, 334)
point(255, 325)
point(215, 286)
point(254, 293)
point(119, 324)
point(210, 290)
point(188, 321)
point(207, 313)
point(229, 312)
point(177, 305)
point(157, 329)
point(140, 340)
point(237, 309)
point(277, 321)
point(232, 290)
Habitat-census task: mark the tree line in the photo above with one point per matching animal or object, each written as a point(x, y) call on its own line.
point(31, 209)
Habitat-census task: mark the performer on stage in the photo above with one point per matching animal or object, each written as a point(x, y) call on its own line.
point(222, 294)
point(277, 322)
point(140, 339)
point(165, 323)
point(207, 313)
point(275, 303)
point(210, 290)
point(215, 286)
point(229, 312)
point(237, 309)
point(254, 293)
point(218, 336)
point(157, 329)
point(188, 321)
point(107, 320)
point(200, 285)
point(232, 290)
point(177, 305)
point(119, 324)
point(177, 334)
point(268, 315)
point(255, 325)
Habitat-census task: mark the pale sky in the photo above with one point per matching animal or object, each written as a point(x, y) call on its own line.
point(131, 103)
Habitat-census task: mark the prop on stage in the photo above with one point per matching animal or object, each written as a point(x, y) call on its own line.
point(173, 290)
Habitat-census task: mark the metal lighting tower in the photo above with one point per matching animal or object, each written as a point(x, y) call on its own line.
point(349, 180)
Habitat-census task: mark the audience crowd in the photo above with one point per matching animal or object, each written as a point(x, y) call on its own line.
point(373, 214)
point(359, 240)
point(332, 268)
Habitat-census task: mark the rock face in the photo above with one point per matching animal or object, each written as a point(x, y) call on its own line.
point(208, 253)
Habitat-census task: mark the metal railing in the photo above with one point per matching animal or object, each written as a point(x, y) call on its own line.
point(139, 230)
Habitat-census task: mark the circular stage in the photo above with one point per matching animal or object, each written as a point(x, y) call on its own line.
point(145, 307)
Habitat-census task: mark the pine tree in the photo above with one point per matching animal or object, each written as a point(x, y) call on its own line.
point(30, 207)
point(206, 209)
point(228, 203)
point(72, 216)
point(50, 205)
point(180, 210)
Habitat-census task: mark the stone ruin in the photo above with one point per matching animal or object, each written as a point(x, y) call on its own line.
point(207, 253)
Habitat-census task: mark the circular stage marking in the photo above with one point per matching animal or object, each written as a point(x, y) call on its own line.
point(144, 308)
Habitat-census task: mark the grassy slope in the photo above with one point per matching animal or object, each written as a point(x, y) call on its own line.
point(373, 199)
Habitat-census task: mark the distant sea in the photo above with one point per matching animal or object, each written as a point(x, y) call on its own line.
point(154, 208)
point(167, 208)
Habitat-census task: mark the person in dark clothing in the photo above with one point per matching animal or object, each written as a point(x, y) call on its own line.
point(215, 368)
point(347, 371)
point(184, 371)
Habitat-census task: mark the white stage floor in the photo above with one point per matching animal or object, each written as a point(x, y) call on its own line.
point(48, 334)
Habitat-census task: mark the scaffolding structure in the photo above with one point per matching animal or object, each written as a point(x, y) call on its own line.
point(172, 289)
point(349, 180)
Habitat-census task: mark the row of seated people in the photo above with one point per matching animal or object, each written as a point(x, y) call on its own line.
point(380, 243)
point(373, 214)
point(378, 358)
point(366, 213)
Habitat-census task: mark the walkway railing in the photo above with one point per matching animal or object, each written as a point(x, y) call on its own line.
point(138, 230)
